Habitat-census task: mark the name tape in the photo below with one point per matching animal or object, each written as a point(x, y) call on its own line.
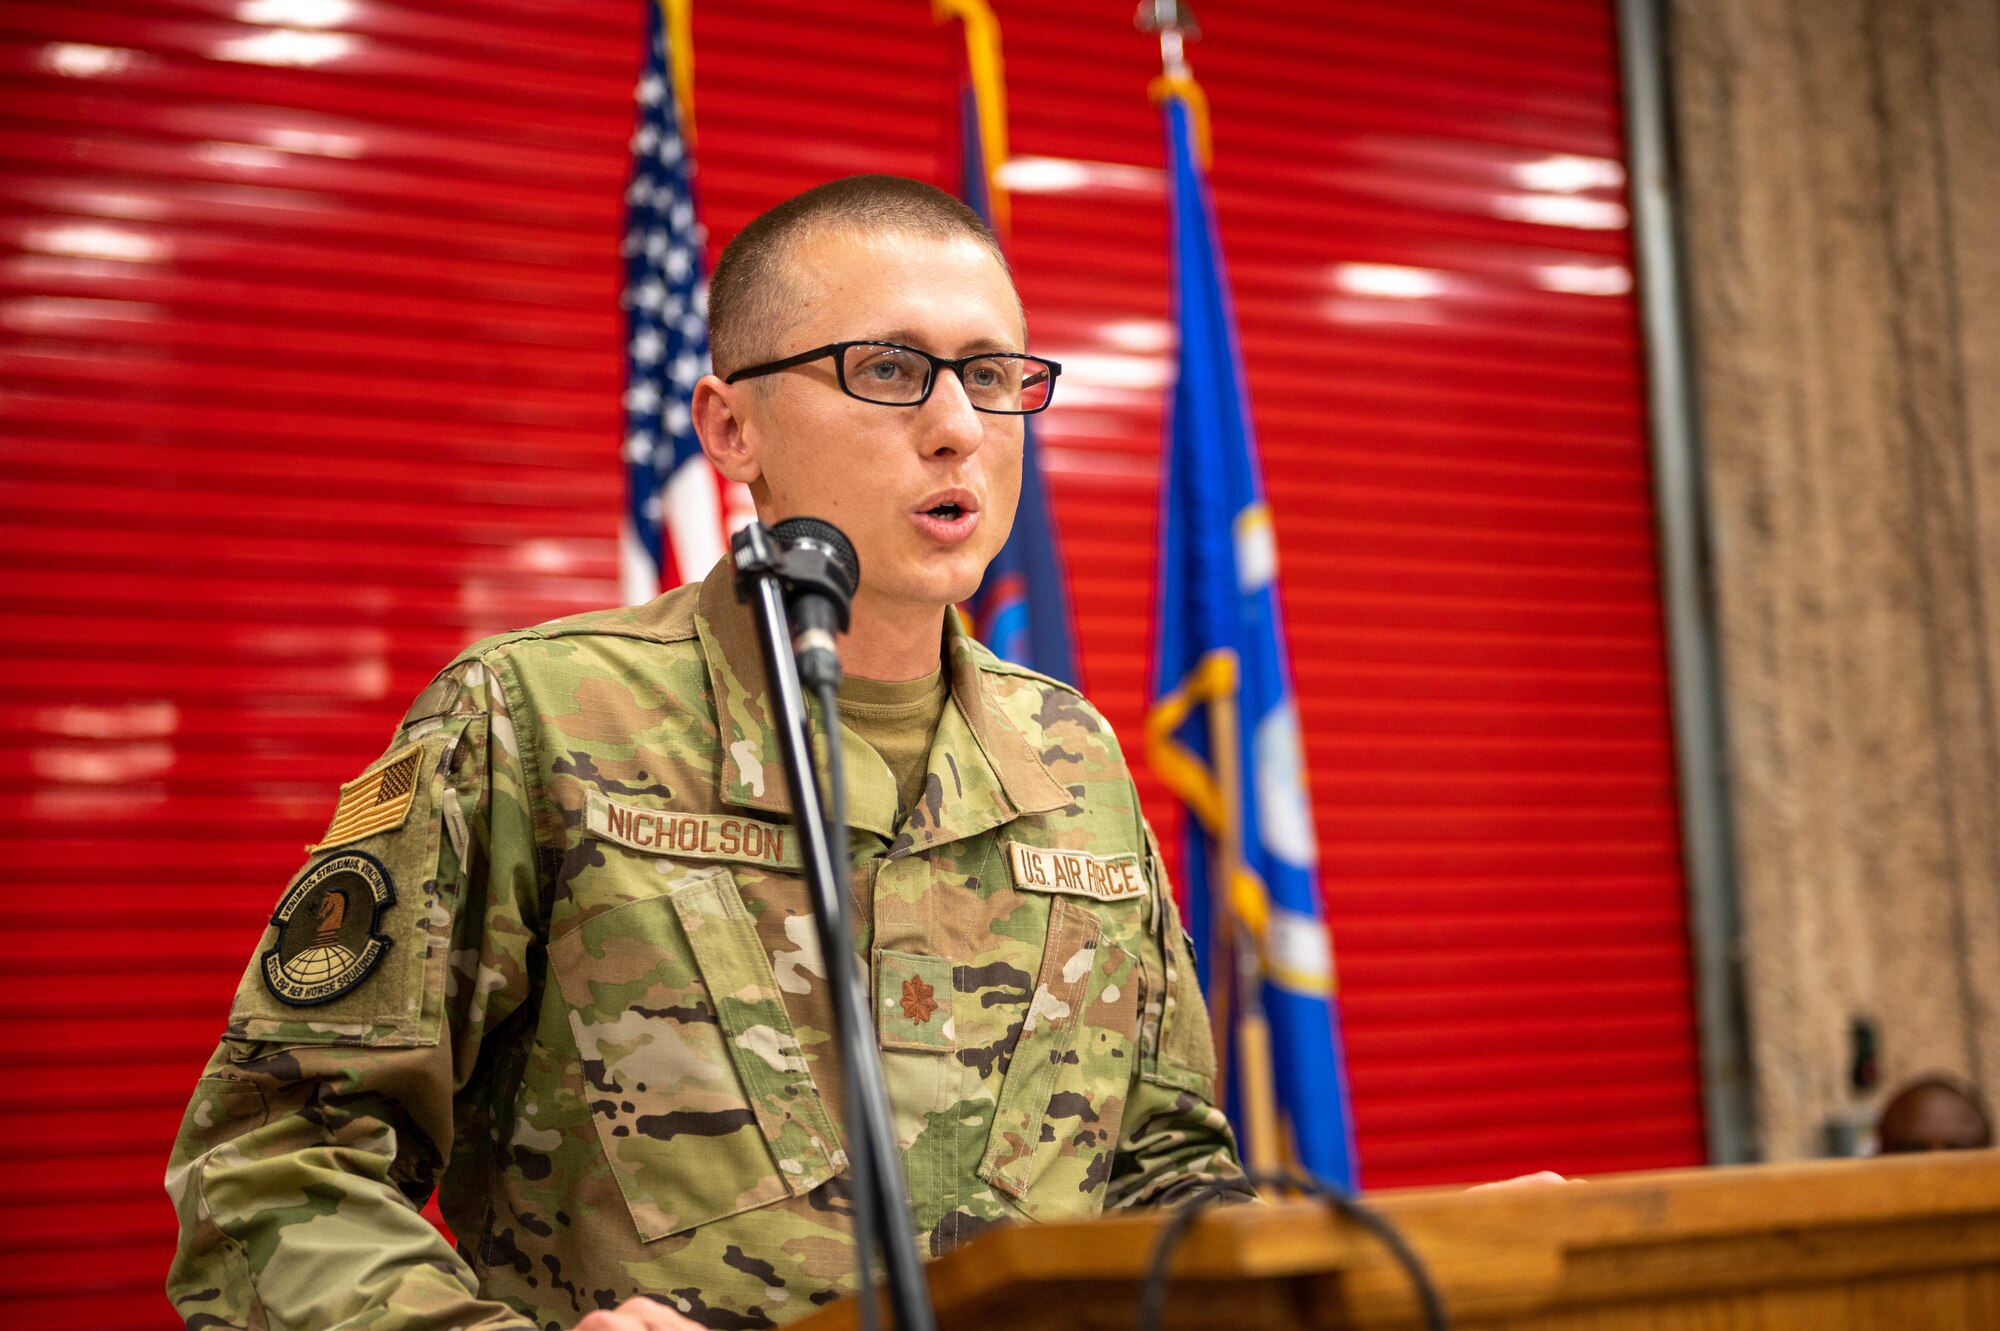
point(1076, 872)
point(701, 836)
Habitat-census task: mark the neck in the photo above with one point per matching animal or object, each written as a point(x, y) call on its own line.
point(892, 642)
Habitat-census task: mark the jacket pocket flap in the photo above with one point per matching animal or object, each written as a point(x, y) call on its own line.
point(758, 1031)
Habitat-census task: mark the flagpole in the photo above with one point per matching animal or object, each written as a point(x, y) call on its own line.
point(1174, 21)
point(1256, 1084)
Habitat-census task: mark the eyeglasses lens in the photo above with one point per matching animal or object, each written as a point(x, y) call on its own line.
point(1006, 383)
point(894, 375)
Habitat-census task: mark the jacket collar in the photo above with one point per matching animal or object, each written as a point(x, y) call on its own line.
point(983, 770)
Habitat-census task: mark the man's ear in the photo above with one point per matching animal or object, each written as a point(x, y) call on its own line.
point(722, 430)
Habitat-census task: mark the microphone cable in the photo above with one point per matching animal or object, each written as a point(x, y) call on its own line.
point(1153, 1293)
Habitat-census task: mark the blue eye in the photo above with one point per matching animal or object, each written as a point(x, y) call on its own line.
point(887, 374)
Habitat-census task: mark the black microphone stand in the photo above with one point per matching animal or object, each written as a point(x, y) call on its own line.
point(766, 578)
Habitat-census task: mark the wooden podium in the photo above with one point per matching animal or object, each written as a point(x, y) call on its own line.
point(1908, 1243)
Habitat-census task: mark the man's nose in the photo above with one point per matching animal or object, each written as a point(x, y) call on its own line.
point(950, 425)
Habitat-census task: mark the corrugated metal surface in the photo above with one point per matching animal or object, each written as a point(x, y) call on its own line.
point(309, 374)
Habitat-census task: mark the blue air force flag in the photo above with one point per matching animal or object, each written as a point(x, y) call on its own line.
point(1224, 733)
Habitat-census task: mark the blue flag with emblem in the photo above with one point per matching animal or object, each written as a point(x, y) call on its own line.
point(1223, 731)
point(1021, 609)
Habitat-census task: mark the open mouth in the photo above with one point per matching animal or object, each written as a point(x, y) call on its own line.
point(950, 517)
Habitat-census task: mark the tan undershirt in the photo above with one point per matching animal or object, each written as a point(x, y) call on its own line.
point(898, 719)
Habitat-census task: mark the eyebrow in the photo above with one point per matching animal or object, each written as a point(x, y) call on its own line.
point(973, 348)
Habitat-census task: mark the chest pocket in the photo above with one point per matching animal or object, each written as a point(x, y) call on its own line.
point(1056, 1124)
point(702, 1101)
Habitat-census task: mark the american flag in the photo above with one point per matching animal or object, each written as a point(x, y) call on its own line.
point(674, 528)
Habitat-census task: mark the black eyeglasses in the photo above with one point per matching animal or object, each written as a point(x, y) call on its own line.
point(893, 375)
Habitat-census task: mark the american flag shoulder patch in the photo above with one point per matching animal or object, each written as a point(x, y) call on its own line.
point(377, 800)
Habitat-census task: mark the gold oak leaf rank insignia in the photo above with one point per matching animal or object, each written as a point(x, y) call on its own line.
point(919, 1000)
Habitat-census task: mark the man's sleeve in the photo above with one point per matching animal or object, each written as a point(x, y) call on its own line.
point(326, 1114)
point(1173, 1142)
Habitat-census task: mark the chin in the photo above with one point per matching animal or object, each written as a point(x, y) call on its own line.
point(914, 575)
point(948, 583)
point(965, 579)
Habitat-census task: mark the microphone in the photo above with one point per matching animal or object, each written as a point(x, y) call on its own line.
point(821, 572)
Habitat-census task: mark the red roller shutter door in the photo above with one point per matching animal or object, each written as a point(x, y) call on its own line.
point(310, 374)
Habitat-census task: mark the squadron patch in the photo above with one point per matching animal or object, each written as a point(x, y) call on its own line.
point(377, 800)
point(327, 942)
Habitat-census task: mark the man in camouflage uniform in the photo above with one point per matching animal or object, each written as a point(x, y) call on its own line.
point(554, 956)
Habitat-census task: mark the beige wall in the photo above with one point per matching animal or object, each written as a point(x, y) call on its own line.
point(1840, 172)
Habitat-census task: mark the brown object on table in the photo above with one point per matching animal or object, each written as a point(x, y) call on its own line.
point(1850, 1245)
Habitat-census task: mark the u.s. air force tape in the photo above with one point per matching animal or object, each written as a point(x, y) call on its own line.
point(1076, 872)
point(698, 836)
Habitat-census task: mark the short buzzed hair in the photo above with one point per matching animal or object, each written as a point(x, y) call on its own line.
point(748, 300)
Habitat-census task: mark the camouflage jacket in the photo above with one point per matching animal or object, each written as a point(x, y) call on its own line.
point(554, 960)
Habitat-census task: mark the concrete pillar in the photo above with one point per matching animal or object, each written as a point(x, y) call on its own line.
point(1840, 171)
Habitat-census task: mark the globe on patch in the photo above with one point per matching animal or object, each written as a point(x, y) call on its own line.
point(320, 962)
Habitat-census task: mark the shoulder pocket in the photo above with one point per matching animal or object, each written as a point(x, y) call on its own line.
point(360, 934)
point(1185, 1055)
point(1057, 1121)
point(701, 1098)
